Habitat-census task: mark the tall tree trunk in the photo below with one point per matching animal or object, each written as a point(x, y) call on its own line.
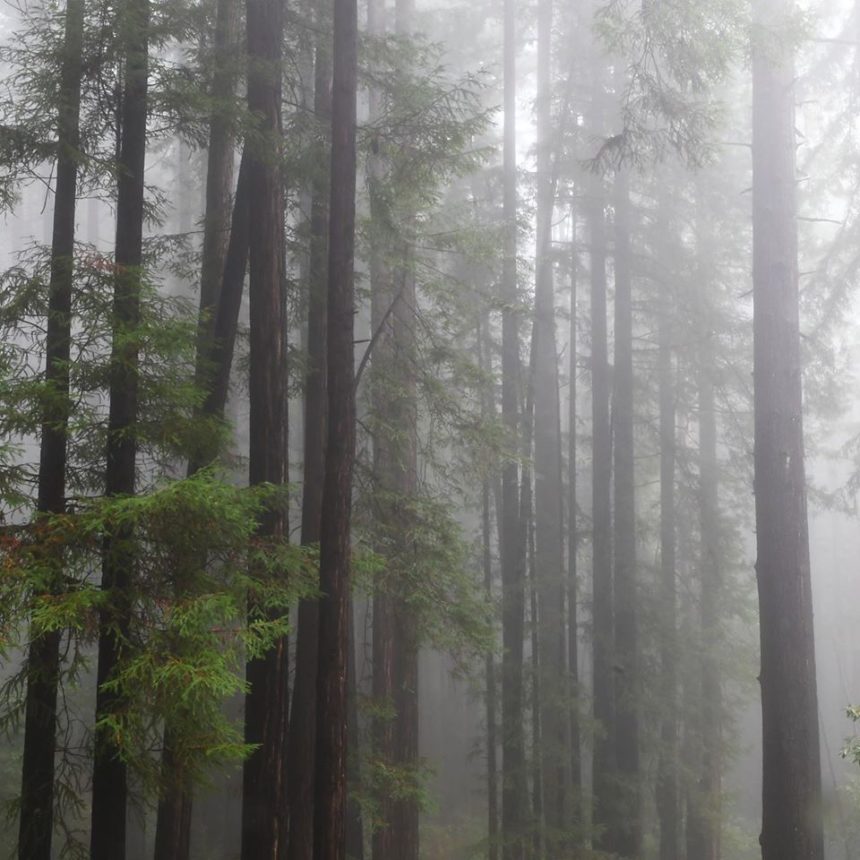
point(303, 722)
point(627, 825)
point(667, 769)
point(36, 815)
point(791, 791)
point(489, 411)
point(514, 785)
point(331, 736)
point(219, 162)
point(710, 780)
point(223, 339)
point(395, 643)
point(263, 794)
point(549, 530)
point(573, 545)
point(602, 597)
point(110, 778)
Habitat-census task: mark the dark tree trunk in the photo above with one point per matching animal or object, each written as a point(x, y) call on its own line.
point(514, 776)
point(229, 299)
point(110, 779)
point(173, 824)
point(263, 792)
point(602, 597)
point(331, 736)
point(667, 769)
point(43, 660)
point(354, 822)
point(627, 824)
point(219, 163)
point(548, 490)
point(791, 791)
point(303, 720)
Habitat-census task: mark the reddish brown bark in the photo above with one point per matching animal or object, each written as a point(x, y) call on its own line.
point(331, 737)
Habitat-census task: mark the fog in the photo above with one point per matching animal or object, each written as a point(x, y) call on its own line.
point(429, 430)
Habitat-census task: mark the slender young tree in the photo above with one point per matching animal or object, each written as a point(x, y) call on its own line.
point(263, 794)
point(791, 791)
point(602, 612)
point(395, 626)
point(43, 659)
point(573, 540)
point(667, 771)
point(331, 736)
point(110, 778)
point(627, 839)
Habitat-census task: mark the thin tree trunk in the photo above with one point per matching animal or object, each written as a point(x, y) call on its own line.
point(667, 769)
point(263, 794)
point(627, 825)
point(229, 300)
point(710, 781)
point(110, 778)
point(791, 792)
point(354, 822)
point(331, 737)
point(548, 492)
point(219, 162)
point(573, 545)
point(601, 515)
point(43, 660)
point(303, 722)
point(490, 662)
point(514, 777)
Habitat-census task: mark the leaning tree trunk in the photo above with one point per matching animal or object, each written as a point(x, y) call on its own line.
point(263, 794)
point(626, 824)
point(303, 718)
point(43, 659)
point(331, 736)
point(110, 778)
point(791, 790)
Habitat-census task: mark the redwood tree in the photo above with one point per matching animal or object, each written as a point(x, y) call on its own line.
point(331, 736)
point(791, 790)
point(43, 659)
point(110, 778)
